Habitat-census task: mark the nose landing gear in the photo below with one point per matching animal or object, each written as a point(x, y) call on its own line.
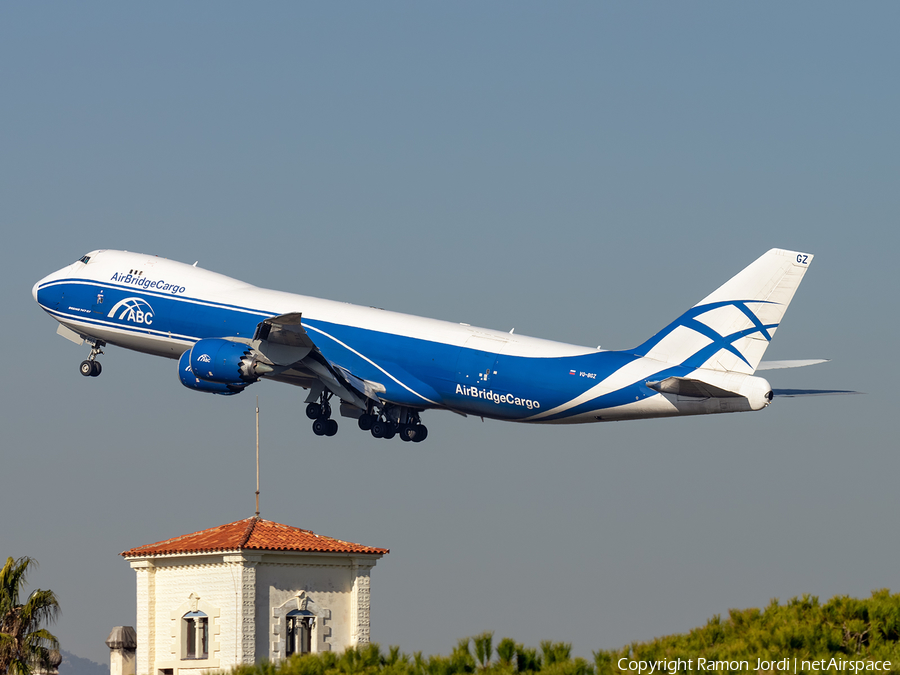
point(91, 367)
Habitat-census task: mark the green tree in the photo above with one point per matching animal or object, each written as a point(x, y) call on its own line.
point(506, 651)
point(24, 642)
point(484, 648)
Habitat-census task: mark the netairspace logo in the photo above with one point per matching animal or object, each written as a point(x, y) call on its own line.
point(147, 284)
point(135, 310)
point(490, 395)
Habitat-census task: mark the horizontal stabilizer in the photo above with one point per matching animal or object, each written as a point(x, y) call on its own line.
point(682, 386)
point(777, 365)
point(793, 393)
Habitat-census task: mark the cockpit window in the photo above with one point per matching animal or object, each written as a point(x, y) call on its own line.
point(85, 259)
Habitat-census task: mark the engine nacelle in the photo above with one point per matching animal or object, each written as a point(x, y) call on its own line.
point(188, 379)
point(218, 360)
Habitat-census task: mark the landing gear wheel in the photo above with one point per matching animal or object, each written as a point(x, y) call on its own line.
point(407, 433)
point(91, 367)
point(378, 429)
point(390, 430)
point(320, 427)
point(365, 422)
point(331, 427)
point(313, 411)
point(420, 433)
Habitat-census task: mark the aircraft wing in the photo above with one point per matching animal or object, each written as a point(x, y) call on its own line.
point(285, 330)
point(285, 342)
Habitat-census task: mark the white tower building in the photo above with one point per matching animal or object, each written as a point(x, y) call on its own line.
point(245, 591)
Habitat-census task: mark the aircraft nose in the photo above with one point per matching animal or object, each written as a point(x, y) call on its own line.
point(36, 288)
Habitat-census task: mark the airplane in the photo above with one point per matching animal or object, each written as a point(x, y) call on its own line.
point(386, 368)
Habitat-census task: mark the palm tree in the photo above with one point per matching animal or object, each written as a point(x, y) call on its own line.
point(484, 648)
point(24, 643)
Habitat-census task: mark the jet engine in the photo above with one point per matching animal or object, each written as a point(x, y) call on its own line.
point(227, 362)
point(188, 379)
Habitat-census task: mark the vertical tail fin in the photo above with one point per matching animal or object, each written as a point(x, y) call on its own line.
point(730, 329)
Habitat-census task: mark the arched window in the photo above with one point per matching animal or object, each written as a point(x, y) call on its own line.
point(300, 624)
point(195, 632)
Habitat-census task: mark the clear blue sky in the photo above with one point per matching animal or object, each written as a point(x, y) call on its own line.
point(582, 172)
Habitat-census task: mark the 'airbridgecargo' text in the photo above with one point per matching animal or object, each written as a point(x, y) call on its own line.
point(490, 395)
point(147, 284)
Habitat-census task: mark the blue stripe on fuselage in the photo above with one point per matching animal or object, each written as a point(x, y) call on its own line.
point(631, 393)
point(192, 318)
point(516, 387)
point(469, 380)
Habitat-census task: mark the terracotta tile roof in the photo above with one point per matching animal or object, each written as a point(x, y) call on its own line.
point(252, 534)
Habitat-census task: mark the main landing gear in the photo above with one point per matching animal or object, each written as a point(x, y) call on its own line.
point(382, 422)
point(320, 413)
point(91, 367)
point(393, 420)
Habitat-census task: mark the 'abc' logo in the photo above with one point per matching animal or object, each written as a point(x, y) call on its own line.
point(135, 310)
